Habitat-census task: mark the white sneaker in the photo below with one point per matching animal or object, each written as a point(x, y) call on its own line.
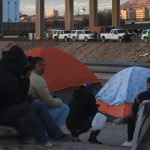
point(127, 144)
point(49, 144)
point(42, 145)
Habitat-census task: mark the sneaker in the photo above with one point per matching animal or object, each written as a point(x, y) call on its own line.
point(127, 144)
point(48, 144)
point(28, 140)
point(42, 145)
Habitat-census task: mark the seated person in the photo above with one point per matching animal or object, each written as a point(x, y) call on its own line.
point(83, 109)
point(131, 120)
point(51, 128)
point(14, 103)
point(39, 90)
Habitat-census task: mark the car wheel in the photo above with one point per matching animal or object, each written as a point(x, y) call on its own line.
point(120, 39)
point(103, 39)
point(66, 39)
point(146, 40)
point(86, 39)
point(74, 39)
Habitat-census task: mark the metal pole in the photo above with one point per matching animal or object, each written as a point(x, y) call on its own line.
point(40, 21)
point(1, 18)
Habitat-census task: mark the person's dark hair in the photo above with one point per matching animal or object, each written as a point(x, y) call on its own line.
point(34, 60)
point(14, 60)
point(148, 80)
point(14, 55)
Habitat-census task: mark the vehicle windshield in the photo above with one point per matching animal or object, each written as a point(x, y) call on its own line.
point(73, 32)
point(87, 32)
point(66, 31)
point(54, 32)
point(144, 32)
point(121, 31)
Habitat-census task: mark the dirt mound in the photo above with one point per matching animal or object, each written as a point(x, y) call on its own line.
point(92, 51)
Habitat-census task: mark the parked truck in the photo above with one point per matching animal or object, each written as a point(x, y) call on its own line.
point(62, 35)
point(145, 36)
point(81, 35)
point(115, 35)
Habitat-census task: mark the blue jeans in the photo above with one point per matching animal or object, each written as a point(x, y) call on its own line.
point(51, 127)
point(10, 115)
point(59, 114)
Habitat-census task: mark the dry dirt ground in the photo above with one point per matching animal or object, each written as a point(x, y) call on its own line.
point(112, 136)
point(136, 51)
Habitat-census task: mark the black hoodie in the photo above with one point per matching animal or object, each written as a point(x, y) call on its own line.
point(82, 106)
point(12, 90)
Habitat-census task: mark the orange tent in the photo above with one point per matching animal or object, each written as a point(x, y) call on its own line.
point(62, 70)
point(120, 111)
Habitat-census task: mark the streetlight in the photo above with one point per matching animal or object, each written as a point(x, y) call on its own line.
point(77, 16)
point(83, 10)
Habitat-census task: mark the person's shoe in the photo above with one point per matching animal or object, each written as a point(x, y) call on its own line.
point(48, 144)
point(127, 144)
point(93, 137)
point(67, 137)
point(28, 140)
point(94, 141)
point(42, 145)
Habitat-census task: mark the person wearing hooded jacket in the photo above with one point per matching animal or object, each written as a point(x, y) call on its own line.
point(14, 103)
point(84, 114)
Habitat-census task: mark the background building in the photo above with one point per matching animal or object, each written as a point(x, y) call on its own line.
point(11, 10)
point(142, 13)
point(128, 14)
point(52, 13)
point(124, 14)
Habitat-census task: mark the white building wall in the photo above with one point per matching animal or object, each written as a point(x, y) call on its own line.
point(11, 10)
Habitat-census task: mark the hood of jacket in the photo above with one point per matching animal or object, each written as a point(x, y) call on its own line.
point(15, 61)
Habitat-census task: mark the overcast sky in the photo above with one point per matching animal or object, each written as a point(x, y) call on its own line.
point(28, 6)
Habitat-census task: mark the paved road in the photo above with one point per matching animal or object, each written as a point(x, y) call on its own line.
point(112, 137)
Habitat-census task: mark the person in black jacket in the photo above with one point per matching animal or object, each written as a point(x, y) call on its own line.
point(14, 103)
point(131, 120)
point(83, 109)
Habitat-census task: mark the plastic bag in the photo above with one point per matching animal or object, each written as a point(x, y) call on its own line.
point(98, 121)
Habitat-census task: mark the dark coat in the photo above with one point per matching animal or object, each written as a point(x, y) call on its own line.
point(13, 86)
point(139, 99)
point(82, 106)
